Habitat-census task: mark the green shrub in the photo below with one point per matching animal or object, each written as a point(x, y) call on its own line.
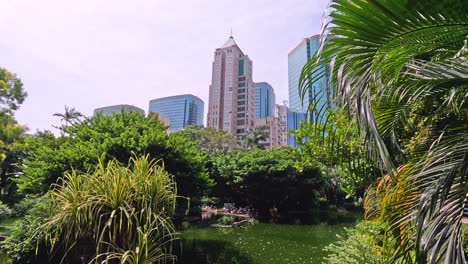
point(5, 212)
point(22, 207)
point(226, 220)
point(362, 244)
point(25, 239)
point(117, 214)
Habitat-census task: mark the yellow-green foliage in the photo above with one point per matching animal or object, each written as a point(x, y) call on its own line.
point(115, 213)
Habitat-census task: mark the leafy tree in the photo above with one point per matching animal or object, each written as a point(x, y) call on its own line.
point(209, 139)
point(267, 179)
point(113, 137)
point(11, 134)
point(337, 148)
point(12, 94)
point(400, 69)
point(11, 97)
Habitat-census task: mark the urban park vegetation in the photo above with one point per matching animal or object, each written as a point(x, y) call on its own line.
point(113, 189)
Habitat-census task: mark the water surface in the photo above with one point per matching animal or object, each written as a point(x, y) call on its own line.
point(258, 244)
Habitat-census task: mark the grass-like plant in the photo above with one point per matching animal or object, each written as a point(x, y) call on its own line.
point(116, 214)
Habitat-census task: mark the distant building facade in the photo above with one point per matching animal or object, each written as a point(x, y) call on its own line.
point(265, 100)
point(274, 127)
point(181, 110)
point(283, 124)
point(232, 91)
point(318, 93)
point(109, 110)
point(268, 126)
point(294, 120)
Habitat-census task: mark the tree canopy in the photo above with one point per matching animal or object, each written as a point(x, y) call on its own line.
point(112, 137)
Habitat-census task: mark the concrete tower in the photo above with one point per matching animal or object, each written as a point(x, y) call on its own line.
point(232, 91)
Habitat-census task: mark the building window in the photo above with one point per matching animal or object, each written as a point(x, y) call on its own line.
point(241, 79)
point(242, 67)
point(242, 84)
point(241, 96)
point(240, 109)
point(240, 131)
point(241, 115)
point(241, 103)
point(240, 122)
point(241, 90)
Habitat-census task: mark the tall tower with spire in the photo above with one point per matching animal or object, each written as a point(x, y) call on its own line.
point(231, 105)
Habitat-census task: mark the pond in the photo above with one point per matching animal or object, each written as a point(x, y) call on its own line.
point(258, 244)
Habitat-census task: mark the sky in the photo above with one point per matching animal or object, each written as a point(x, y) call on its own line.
point(92, 53)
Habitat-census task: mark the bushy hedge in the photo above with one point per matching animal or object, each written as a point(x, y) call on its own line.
point(5, 212)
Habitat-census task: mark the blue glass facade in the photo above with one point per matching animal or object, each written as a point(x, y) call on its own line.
point(182, 110)
point(293, 123)
point(318, 93)
point(264, 100)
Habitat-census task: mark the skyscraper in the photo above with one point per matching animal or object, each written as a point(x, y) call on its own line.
point(109, 110)
point(232, 92)
point(265, 99)
point(283, 123)
point(294, 121)
point(318, 93)
point(181, 110)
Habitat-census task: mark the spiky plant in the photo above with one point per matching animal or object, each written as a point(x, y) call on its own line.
point(400, 67)
point(116, 214)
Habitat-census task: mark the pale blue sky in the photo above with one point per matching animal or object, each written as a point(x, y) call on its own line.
point(92, 53)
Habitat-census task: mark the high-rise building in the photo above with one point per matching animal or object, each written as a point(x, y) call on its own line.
point(264, 100)
point(283, 124)
point(181, 110)
point(293, 123)
point(274, 127)
point(232, 91)
point(318, 92)
point(268, 126)
point(109, 110)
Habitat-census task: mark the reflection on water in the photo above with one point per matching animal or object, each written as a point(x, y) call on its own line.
point(262, 243)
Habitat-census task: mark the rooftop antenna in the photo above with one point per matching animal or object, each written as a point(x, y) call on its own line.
point(231, 31)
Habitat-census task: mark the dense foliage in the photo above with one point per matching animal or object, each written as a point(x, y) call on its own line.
point(25, 244)
point(269, 179)
point(12, 96)
point(209, 139)
point(400, 68)
point(112, 137)
point(336, 147)
point(115, 213)
point(364, 243)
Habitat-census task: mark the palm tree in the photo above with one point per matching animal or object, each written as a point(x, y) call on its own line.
point(400, 68)
point(254, 139)
point(70, 116)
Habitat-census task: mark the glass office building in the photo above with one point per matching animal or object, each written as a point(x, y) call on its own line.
point(293, 123)
point(264, 100)
point(318, 93)
point(181, 110)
